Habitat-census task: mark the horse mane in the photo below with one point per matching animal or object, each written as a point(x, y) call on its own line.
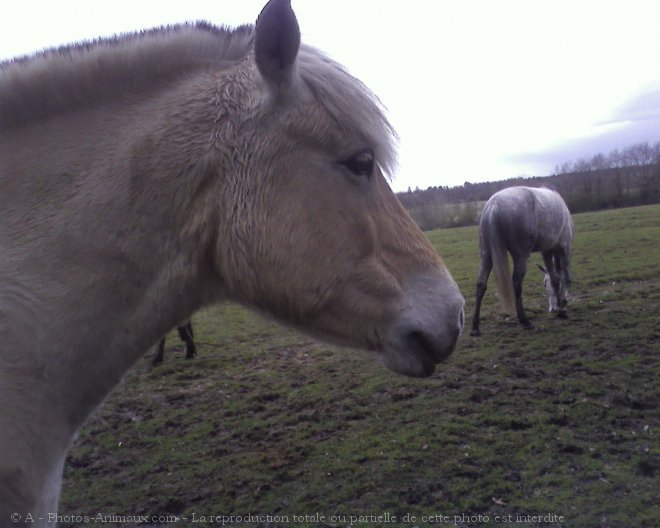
point(87, 73)
point(74, 76)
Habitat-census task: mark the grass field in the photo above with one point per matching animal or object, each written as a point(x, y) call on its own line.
point(559, 422)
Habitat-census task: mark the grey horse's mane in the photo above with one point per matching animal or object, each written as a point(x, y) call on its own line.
point(72, 77)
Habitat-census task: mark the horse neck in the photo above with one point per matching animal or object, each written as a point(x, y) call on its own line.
point(123, 244)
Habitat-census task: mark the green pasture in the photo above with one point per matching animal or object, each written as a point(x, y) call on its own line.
point(517, 427)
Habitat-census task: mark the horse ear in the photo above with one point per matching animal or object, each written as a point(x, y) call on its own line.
point(277, 40)
point(545, 271)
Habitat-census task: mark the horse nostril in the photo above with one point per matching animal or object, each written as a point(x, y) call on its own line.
point(461, 319)
point(416, 340)
point(426, 345)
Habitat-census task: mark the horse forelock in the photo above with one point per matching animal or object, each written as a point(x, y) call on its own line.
point(350, 103)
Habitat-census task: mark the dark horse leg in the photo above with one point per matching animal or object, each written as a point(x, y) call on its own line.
point(158, 358)
point(519, 271)
point(186, 335)
point(485, 265)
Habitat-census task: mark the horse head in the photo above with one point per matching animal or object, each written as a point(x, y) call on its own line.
point(313, 233)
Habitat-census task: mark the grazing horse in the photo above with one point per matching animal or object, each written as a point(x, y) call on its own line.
point(520, 221)
point(186, 334)
point(179, 167)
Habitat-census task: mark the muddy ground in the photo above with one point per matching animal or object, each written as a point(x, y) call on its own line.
point(555, 426)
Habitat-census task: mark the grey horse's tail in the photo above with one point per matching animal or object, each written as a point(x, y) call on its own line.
point(501, 269)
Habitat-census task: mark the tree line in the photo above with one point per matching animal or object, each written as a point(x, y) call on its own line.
point(621, 178)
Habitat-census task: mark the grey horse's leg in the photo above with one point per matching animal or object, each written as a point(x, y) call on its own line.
point(563, 263)
point(186, 335)
point(158, 358)
point(519, 271)
point(485, 265)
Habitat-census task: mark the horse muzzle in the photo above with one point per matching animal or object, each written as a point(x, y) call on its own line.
point(427, 327)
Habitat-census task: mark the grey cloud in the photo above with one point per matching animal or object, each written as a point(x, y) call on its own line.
point(637, 121)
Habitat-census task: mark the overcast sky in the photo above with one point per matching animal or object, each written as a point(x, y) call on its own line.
point(477, 90)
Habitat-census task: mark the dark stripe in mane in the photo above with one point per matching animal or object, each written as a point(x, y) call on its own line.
point(72, 76)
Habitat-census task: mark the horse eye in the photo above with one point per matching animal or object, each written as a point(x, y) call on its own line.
point(361, 163)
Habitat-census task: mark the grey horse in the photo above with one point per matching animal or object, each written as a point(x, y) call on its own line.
point(521, 221)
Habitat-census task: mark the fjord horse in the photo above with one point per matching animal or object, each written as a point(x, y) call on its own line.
point(179, 167)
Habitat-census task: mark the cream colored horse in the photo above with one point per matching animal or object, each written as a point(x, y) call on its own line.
point(176, 168)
